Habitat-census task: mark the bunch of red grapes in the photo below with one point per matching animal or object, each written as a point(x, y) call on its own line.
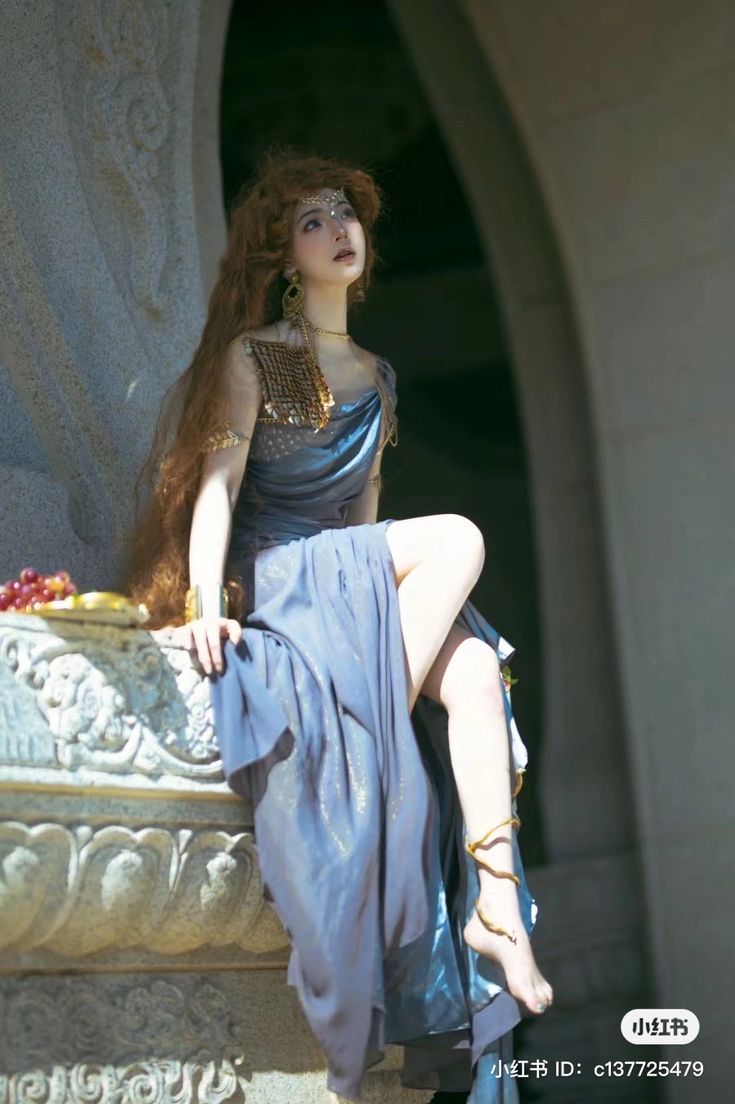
point(31, 590)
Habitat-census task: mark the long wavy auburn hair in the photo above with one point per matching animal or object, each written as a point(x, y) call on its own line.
point(247, 295)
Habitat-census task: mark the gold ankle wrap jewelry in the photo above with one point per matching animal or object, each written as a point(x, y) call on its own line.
point(471, 848)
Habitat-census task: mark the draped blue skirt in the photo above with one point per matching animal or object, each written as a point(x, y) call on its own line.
point(357, 821)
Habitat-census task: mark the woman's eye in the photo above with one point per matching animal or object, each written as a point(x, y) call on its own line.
point(346, 212)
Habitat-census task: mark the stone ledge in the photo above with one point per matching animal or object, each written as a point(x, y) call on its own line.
point(79, 891)
point(108, 700)
point(122, 845)
point(177, 1039)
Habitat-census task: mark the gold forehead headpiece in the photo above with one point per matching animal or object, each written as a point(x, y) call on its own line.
point(330, 197)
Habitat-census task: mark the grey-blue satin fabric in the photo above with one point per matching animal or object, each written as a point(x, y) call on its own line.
point(357, 822)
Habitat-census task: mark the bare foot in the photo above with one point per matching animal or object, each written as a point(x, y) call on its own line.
point(525, 981)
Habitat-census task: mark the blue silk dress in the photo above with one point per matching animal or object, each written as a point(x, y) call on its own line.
point(357, 820)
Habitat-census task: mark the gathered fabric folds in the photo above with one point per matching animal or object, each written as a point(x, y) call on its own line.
point(357, 820)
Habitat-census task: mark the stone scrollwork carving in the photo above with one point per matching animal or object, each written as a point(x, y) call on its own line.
point(78, 891)
point(113, 699)
point(126, 121)
point(139, 1083)
point(159, 1042)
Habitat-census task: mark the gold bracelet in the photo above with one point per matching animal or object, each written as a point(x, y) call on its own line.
point(193, 603)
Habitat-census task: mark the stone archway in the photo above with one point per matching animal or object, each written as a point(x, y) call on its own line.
point(584, 783)
point(541, 327)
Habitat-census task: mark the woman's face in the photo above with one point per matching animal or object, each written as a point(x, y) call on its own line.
point(327, 241)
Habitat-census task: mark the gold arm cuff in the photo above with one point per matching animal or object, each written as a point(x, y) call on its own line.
point(193, 603)
point(226, 438)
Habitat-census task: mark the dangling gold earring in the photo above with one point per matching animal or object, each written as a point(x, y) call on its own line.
point(292, 298)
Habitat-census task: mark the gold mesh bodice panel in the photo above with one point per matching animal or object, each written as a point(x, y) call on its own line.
point(296, 395)
point(294, 389)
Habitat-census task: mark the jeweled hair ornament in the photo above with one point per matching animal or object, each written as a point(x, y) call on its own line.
point(329, 197)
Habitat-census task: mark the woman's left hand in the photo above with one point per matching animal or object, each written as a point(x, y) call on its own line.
point(183, 636)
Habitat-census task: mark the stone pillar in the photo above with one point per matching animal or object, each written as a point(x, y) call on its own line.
point(587, 775)
point(110, 202)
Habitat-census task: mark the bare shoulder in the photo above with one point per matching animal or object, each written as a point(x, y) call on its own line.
point(371, 361)
point(273, 331)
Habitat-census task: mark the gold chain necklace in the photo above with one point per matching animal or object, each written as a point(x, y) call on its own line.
point(332, 333)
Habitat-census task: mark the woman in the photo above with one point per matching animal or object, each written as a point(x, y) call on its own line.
point(357, 692)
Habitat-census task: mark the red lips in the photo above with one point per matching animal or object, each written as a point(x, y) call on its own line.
point(344, 253)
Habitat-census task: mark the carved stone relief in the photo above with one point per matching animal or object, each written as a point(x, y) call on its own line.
point(151, 1082)
point(78, 891)
point(160, 1041)
point(25, 738)
point(125, 120)
point(112, 699)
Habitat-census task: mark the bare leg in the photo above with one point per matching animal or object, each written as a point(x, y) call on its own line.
point(437, 560)
point(466, 679)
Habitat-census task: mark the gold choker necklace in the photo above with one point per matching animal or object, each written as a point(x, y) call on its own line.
point(332, 333)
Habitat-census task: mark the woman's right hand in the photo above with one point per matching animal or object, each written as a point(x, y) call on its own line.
point(205, 635)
